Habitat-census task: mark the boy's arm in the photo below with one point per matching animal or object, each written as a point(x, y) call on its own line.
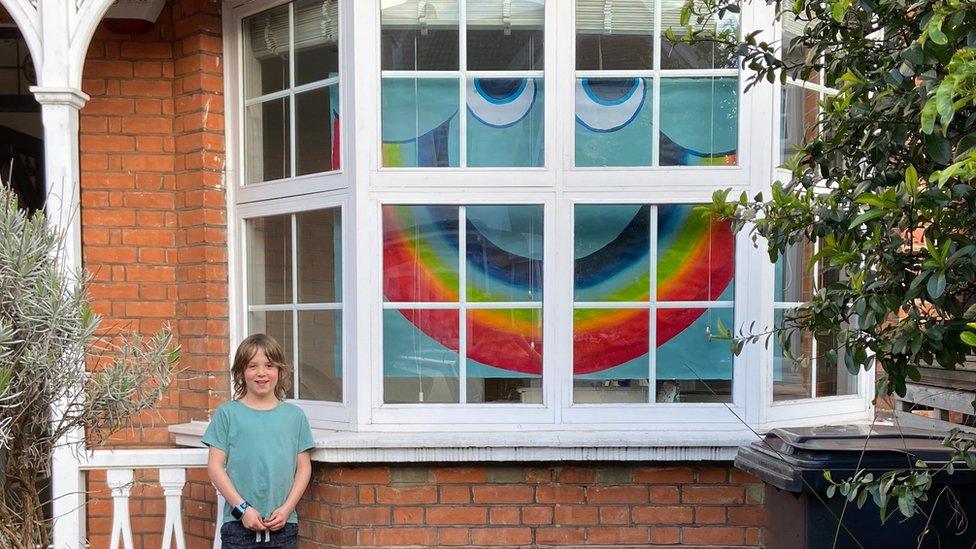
point(216, 459)
point(303, 473)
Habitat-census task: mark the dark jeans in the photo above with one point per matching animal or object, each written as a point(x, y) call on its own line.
point(233, 535)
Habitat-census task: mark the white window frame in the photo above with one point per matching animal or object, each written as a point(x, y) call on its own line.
point(813, 410)
point(289, 196)
point(497, 415)
point(502, 177)
point(235, 103)
point(361, 187)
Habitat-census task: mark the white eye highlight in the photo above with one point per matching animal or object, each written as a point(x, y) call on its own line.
point(608, 104)
point(500, 102)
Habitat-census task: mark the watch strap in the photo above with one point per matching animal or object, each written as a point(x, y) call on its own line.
point(238, 510)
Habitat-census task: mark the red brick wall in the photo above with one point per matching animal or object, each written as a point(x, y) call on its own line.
point(606, 504)
point(154, 225)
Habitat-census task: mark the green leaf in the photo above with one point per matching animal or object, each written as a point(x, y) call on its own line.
point(839, 8)
point(969, 338)
point(929, 111)
point(938, 148)
point(911, 180)
point(685, 16)
point(936, 285)
point(873, 213)
point(831, 490)
point(943, 100)
point(936, 35)
point(906, 504)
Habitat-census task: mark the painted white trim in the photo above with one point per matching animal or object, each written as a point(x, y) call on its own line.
point(521, 446)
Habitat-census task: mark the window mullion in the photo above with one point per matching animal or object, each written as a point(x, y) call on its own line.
point(293, 133)
point(462, 90)
point(463, 310)
point(652, 314)
point(294, 302)
point(656, 95)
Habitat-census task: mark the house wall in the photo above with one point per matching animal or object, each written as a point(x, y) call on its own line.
point(550, 504)
point(154, 230)
point(155, 240)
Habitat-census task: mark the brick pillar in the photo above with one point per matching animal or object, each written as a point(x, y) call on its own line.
point(201, 262)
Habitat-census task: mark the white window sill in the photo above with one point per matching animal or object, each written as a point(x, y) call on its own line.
point(415, 447)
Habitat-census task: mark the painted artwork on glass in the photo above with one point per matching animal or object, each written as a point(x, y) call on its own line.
point(694, 261)
point(699, 121)
point(505, 122)
point(502, 263)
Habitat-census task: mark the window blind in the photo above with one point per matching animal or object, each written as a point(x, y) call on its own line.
point(615, 16)
point(316, 23)
point(419, 13)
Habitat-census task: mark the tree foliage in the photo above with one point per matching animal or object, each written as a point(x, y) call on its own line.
point(47, 332)
point(886, 186)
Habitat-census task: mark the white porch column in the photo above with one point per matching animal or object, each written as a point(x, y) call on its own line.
point(59, 114)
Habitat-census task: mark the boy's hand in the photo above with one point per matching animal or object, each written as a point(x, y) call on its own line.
point(252, 520)
point(277, 519)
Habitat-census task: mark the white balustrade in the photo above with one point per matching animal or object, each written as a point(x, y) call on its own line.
point(120, 467)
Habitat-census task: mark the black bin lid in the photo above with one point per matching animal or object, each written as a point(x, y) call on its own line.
point(794, 459)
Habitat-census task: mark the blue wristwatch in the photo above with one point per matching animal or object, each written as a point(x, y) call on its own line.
point(238, 511)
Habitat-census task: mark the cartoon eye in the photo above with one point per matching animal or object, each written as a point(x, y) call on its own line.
point(500, 102)
point(608, 104)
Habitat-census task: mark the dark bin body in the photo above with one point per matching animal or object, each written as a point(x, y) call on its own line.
point(799, 515)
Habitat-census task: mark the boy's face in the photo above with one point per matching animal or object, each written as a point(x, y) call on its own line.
point(260, 375)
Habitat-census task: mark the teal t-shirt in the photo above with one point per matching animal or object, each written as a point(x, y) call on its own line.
point(262, 448)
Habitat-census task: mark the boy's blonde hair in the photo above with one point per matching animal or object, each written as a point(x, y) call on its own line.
point(272, 350)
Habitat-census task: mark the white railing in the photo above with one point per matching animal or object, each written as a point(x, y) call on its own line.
point(120, 467)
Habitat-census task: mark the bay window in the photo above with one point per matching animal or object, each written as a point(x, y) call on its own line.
point(511, 240)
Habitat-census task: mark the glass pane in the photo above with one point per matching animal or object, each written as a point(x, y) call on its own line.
point(269, 260)
point(317, 130)
point(277, 324)
point(267, 141)
point(320, 355)
point(504, 355)
point(266, 45)
point(316, 40)
point(794, 277)
point(612, 252)
point(702, 55)
point(506, 122)
point(420, 356)
point(613, 36)
point(798, 119)
point(613, 121)
point(695, 256)
point(319, 256)
point(792, 377)
point(610, 355)
point(504, 253)
point(832, 376)
point(420, 253)
point(505, 34)
point(792, 51)
point(415, 38)
point(692, 365)
point(699, 121)
point(420, 122)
